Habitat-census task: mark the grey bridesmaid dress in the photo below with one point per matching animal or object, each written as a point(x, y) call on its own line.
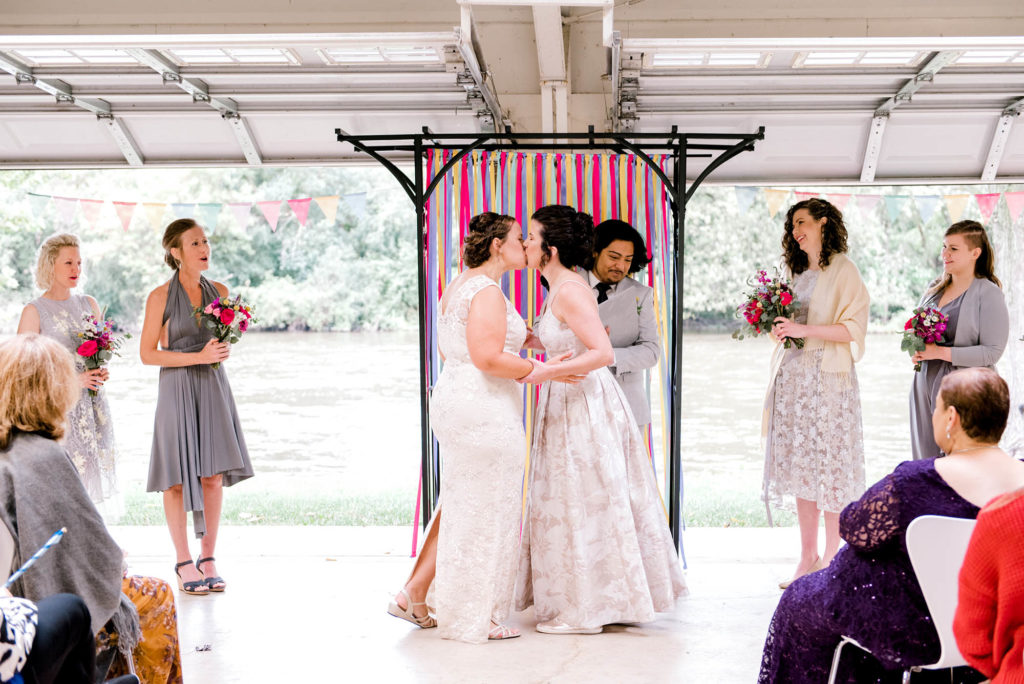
point(197, 432)
point(925, 388)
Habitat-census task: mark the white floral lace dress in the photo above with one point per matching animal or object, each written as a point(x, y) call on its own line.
point(815, 444)
point(596, 545)
point(89, 438)
point(478, 421)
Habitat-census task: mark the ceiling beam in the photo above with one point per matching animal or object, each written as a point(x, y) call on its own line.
point(925, 75)
point(549, 37)
point(492, 119)
point(23, 74)
point(171, 74)
point(997, 147)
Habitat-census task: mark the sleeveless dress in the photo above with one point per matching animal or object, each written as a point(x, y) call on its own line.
point(478, 421)
point(89, 439)
point(926, 384)
point(815, 444)
point(196, 433)
point(596, 545)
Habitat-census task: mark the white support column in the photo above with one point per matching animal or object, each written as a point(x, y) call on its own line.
point(554, 86)
point(874, 147)
point(998, 146)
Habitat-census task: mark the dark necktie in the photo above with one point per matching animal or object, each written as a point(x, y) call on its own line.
point(602, 291)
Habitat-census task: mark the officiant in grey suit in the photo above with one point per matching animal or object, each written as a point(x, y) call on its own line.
point(626, 308)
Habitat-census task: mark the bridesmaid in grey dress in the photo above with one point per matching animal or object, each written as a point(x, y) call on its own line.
point(58, 314)
point(979, 325)
point(198, 446)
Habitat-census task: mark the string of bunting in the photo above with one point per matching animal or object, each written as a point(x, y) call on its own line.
point(206, 213)
point(927, 205)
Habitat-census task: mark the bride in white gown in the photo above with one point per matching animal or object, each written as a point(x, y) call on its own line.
point(596, 547)
point(477, 416)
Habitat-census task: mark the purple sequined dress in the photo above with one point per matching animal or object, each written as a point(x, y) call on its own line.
point(869, 592)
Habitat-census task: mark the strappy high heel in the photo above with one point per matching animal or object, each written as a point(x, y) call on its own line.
point(196, 588)
point(216, 584)
point(423, 622)
point(499, 632)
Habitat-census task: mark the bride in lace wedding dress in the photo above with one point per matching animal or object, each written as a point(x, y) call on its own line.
point(596, 547)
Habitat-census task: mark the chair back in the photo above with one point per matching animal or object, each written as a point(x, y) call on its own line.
point(6, 552)
point(937, 545)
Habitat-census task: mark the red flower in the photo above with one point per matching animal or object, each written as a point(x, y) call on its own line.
point(226, 316)
point(243, 325)
point(87, 348)
point(785, 299)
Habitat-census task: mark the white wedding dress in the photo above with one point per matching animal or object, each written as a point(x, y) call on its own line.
point(478, 421)
point(596, 545)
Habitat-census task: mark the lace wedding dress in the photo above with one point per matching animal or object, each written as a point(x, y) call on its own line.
point(478, 421)
point(596, 546)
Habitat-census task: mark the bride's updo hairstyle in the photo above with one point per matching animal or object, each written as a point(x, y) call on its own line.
point(483, 228)
point(569, 231)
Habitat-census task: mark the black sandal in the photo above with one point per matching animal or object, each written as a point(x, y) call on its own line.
point(191, 587)
point(216, 584)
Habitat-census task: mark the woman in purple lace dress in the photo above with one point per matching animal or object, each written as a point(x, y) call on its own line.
point(869, 592)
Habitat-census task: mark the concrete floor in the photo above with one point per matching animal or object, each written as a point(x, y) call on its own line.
point(308, 604)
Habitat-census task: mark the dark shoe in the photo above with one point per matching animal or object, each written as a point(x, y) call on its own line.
point(215, 583)
point(197, 588)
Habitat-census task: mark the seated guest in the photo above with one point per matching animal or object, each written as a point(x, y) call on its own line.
point(49, 642)
point(40, 492)
point(870, 592)
point(989, 623)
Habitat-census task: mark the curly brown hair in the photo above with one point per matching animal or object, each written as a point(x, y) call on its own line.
point(833, 234)
point(483, 229)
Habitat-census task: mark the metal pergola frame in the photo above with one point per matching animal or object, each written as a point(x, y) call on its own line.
point(718, 148)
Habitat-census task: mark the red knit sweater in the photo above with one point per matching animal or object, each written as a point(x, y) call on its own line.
point(989, 623)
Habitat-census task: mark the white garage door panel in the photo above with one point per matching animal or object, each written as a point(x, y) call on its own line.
point(41, 137)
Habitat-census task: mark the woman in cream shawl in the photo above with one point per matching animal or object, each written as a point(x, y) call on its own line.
point(814, 446)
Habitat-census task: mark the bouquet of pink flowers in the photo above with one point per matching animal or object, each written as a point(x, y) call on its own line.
point(99, 342)
point(769, 299)
point(227, 318)
point(926, 326)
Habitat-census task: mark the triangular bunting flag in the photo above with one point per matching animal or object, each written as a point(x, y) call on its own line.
point(867, 203)
point(801, 196)
point(745, 196)
point(155, 213)
point(301, 208)
point(839, 199)
point(125, 211)
point(91, 211)
point(183, 210)
point(65, 209)
point(207, 213)
point(894, 205)
point(774, 199)
point(328, 205)
point(956, 205)
point(38, 204)
point(272, 211)
point(987, 204)
point(927, 205)
point(357, 201)
point(241, 212)
point(1014, 202)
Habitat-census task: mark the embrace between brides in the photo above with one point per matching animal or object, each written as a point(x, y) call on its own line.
point(596, 547)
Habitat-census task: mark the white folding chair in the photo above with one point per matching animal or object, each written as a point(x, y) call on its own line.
point(936, 545)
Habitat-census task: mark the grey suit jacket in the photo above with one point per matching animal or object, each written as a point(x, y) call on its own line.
point(983, 327)
point(629, 315)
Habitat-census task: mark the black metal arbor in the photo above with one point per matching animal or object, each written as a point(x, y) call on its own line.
point(716, 148)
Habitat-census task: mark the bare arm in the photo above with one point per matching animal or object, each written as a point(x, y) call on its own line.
point(154, 333)
point(485, 337)
point(29, 322)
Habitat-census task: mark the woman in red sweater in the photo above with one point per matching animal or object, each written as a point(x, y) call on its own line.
point(989, 623)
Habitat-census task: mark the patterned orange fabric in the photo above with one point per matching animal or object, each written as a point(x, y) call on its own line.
point(157, 657)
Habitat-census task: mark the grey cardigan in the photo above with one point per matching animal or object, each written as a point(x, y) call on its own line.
point(983, 327)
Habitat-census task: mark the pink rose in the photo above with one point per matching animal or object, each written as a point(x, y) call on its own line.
point(941, 327)
point(243, 324)
point(226, 316)
point(210, 307)
point(785, 299)
point(87, 348)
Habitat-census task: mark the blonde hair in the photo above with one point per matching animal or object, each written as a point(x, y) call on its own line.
point(48, 257)
point(38, 386)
